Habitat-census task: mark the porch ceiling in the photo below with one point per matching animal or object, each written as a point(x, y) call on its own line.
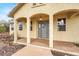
point(38, 16)
point(68, 13)
point(22, 19)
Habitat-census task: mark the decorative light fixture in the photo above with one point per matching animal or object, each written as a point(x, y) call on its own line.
point(40, 18)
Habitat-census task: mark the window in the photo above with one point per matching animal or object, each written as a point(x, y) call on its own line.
point(20, 25)
point(12, 26)
point(34, 4)
point(31, 26)
point(61, 23)
point(38, 4)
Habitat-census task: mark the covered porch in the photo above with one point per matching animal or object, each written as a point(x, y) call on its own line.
point(34, 30)
point(65, 34)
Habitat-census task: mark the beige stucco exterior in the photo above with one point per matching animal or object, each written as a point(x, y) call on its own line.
point(54, 11)
point(28, 13)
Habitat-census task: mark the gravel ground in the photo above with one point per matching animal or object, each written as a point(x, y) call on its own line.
point(9, 50)
point(7, 47)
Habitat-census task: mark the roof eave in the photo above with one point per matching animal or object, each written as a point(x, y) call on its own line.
point(15, 9)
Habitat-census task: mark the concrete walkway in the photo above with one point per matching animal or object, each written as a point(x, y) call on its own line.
point(33, 51)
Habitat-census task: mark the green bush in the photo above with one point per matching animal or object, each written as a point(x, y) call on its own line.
point(2, 29)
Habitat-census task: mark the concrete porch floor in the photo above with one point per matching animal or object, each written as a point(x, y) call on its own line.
point(66, 47)
point(38, 42)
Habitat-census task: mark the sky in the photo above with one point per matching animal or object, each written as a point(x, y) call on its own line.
point(5, 8)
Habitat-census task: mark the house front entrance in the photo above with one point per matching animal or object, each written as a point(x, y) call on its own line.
point(43, 29)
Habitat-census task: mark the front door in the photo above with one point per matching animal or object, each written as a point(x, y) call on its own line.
point(43, 29)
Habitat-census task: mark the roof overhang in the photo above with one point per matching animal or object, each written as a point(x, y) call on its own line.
point(15, 9)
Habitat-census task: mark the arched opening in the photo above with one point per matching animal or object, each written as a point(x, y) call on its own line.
point(40, 29)
point(21, 29)
point(62, 18)
point(65, 28)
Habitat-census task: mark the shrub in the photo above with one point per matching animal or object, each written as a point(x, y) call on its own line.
point(2, 29)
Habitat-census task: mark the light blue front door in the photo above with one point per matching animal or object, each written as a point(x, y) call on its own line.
point(43, 29)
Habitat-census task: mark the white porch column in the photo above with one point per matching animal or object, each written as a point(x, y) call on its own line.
point(51, 31)
point(15, 31)
point(10, 29)
point(28, 30)
point(10, 26)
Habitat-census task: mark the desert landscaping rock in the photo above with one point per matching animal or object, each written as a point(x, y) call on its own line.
point(7, 47)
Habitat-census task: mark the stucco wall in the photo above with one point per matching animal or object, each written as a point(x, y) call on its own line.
point(34, 29)
point(75, 28)
point(71, 33)
point(22, 33)
point(28, 10)
point(72, 27)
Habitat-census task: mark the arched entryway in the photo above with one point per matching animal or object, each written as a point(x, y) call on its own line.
point(65, 29)
point(40, 29)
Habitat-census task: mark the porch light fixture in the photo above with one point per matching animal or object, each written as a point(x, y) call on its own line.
point(40, 18)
